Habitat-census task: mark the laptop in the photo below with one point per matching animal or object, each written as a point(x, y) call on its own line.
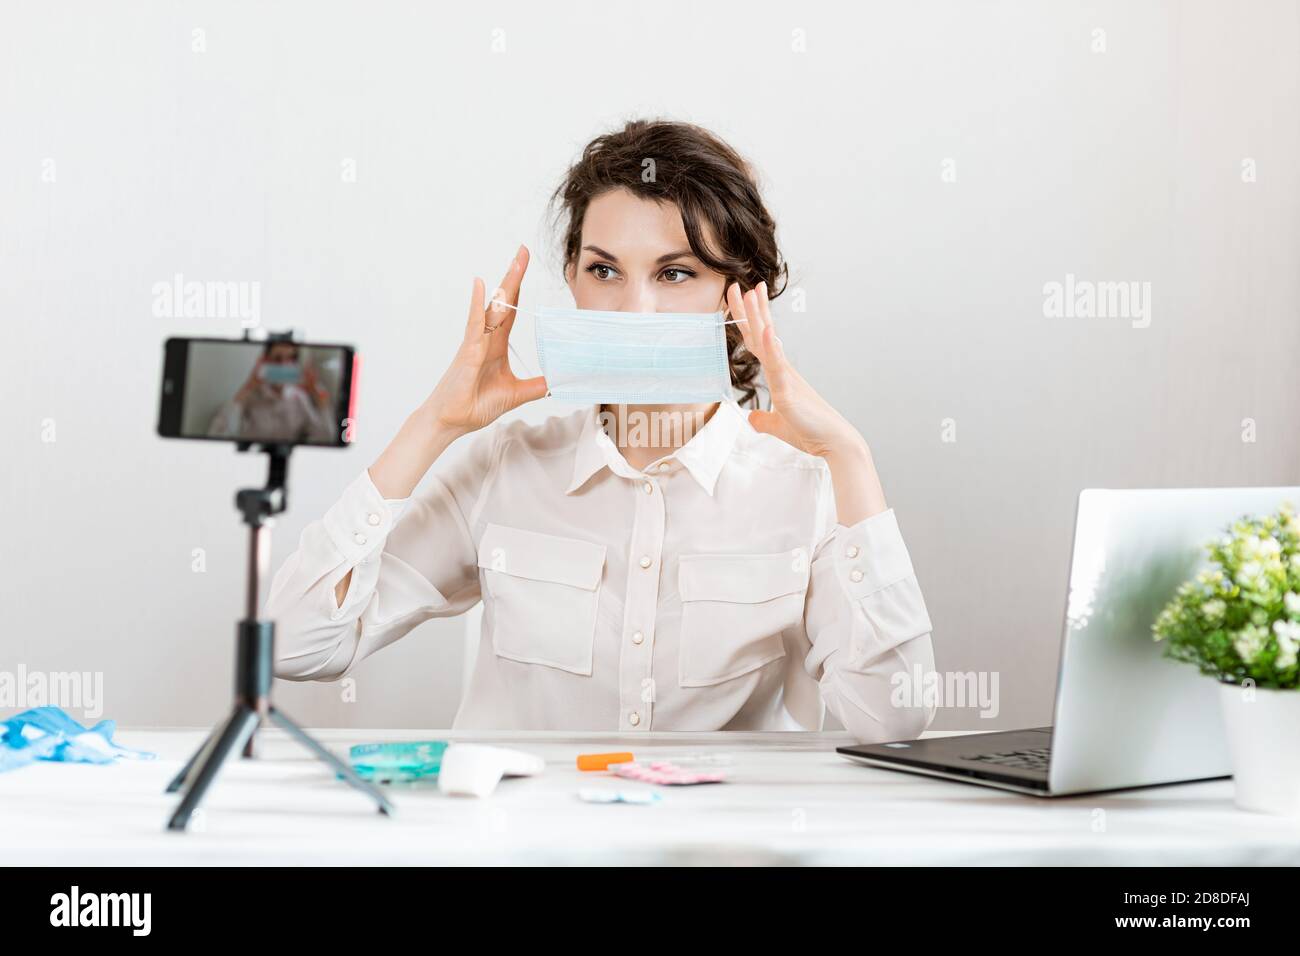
point(1125, 715)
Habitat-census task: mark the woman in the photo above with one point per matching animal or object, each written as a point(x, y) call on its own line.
point(740, 577)
point(280, 400)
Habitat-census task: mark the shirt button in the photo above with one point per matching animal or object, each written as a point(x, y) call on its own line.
point(664, 466)
point(649, 488)
point(359, 538)
point(373, 519)
point(855, 575)
point(638, 637)
point(645, 561)
point(853, 551)
point(634, 718)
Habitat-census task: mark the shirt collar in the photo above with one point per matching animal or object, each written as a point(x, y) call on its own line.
point(703, 455)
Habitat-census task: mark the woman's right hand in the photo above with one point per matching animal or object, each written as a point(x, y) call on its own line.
point(478, 388)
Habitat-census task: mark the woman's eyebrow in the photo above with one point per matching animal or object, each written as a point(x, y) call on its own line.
point(667, 257)
point(602, 253)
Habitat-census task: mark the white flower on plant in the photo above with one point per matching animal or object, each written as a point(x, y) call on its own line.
point(1248, 573)
point(1287, 631)
point(1292, 602)
point(1250, 641)
point(1288, 640)
point(1269, 546)
point(1213, 610)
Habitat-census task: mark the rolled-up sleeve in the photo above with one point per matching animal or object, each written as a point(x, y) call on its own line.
point(869, 631)
point(411, 560)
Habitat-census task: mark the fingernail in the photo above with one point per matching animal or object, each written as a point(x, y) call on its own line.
point(497, 298)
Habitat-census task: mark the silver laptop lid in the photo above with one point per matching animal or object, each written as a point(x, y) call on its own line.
point(1125, 714)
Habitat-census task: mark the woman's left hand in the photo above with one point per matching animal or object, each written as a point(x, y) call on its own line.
point(799, 416)
point(311, 383)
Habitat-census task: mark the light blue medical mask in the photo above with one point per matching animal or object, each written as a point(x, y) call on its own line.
point(281, 374)
point(629, 358)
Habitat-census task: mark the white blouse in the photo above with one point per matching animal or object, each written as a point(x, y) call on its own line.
point(714, 590)
point(290, 413)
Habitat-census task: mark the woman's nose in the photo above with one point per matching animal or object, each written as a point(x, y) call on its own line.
point(638, 300)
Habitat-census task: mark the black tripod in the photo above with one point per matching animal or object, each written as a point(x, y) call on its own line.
point(254, 665)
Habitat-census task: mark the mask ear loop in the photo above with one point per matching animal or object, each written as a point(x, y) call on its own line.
point(489, 329)
point(503, 302)
point(757, 386)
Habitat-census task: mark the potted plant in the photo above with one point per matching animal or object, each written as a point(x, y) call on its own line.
point(1239, 622)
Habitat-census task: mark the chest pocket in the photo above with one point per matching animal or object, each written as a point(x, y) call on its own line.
point(545, 590)
point(734, 608)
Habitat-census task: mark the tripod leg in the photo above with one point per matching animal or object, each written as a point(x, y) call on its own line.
point(178, 781)
point(339, 767)
point(241, 723)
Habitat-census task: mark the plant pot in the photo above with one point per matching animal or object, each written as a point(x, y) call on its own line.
point(1264, 741)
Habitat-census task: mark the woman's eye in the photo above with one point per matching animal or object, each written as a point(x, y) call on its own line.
point(675, 276)
point(600, 270)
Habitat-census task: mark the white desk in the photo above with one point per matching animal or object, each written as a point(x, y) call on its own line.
point(791, 799)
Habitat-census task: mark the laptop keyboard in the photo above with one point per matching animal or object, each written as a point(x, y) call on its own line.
point(1033, 759)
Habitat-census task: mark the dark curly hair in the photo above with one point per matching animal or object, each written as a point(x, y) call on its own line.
point(710, 183)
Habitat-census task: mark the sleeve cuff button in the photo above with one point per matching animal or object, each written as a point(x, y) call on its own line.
point(855, 575)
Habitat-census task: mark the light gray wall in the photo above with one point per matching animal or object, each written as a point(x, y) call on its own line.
point(129, 156)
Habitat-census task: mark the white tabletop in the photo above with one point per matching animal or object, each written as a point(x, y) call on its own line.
point(790, 799)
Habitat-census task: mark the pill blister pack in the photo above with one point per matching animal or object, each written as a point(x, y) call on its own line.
point(666, 773)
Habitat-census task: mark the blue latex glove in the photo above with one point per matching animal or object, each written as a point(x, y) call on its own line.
point(48, 733)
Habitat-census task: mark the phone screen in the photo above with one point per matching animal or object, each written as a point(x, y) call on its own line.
point(269, 392)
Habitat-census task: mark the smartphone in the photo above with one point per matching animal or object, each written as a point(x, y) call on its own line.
point(271, 392)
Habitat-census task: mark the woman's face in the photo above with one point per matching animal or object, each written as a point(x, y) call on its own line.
point(635, 258)
point(280, 353)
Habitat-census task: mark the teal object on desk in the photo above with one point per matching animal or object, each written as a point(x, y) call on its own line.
point(398, 763)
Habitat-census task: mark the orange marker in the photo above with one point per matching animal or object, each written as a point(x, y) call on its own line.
point(601, 761)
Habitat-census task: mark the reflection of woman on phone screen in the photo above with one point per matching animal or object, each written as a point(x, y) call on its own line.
point(280, 401)
point(745, 578)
